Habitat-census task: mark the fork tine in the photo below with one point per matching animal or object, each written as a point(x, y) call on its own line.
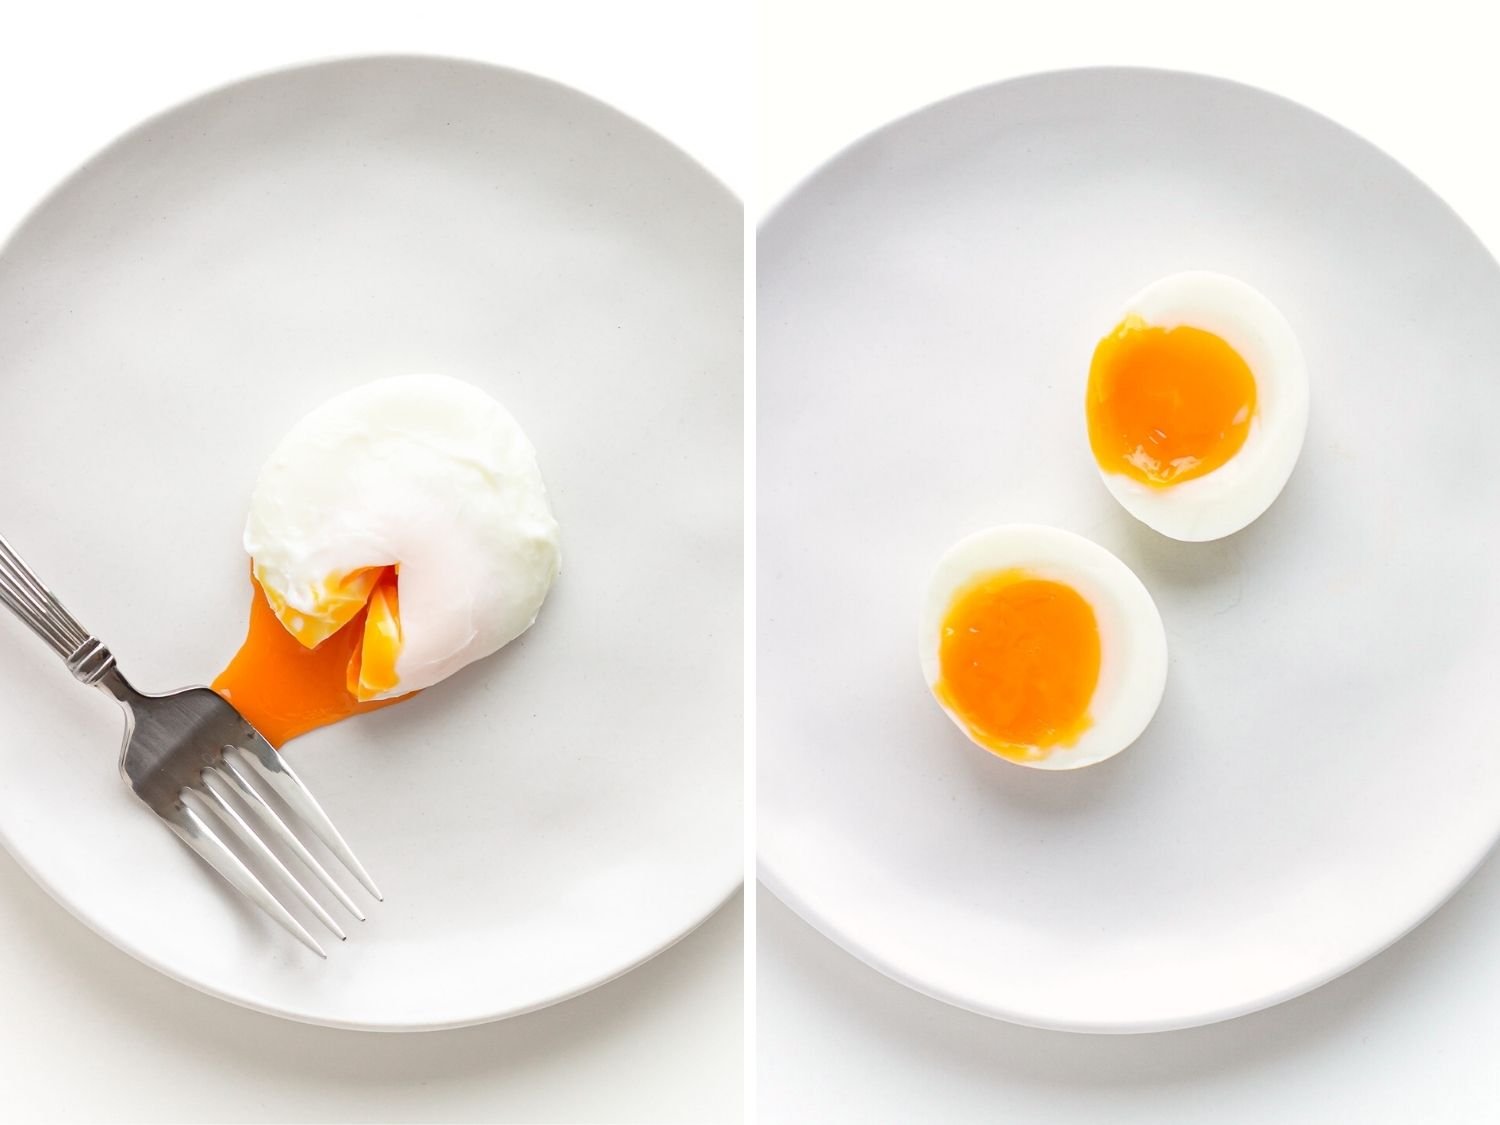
point(197, 834)
point(239, 778)
point(248, 837)
point(278, 774)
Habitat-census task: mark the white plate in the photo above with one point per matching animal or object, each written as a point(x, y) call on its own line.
point(546, 819)
point(1325, 767)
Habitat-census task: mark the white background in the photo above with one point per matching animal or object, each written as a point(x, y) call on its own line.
point(1411, 1036)
point(85, 1032)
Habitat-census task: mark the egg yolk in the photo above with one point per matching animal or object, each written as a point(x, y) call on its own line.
point(1018, 663)
point(296, 672)
point(1166, 405)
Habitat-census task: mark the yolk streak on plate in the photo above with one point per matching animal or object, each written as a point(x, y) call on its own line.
point(285, 688)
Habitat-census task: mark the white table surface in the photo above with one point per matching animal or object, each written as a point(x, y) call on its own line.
point(1411, 1036)
point(86, 1033)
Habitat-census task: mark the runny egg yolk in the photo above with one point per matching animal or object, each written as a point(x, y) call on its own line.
point(1166, 405)
point(1018, 662)
point(296, 672)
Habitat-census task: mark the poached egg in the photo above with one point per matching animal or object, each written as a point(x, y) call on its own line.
point(397, 533)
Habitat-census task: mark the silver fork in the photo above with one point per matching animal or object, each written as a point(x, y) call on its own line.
point(185, 753)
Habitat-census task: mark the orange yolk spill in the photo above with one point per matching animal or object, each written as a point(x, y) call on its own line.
point(1018, 663)
point(285, 687)
point(1166, 405)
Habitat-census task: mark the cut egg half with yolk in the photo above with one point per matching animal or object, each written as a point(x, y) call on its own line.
point(1197, 405)
point(1041, 646)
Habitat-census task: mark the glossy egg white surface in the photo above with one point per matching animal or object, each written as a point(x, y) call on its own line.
point(1133, 644)
point(1235, 494)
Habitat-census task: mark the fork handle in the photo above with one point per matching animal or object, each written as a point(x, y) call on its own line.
point(23, 594)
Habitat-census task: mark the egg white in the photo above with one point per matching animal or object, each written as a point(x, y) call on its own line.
point(430, 474)
point(1132, 640)
point(1234, 495)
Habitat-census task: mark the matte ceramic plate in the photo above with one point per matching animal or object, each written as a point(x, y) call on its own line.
point(1325, 767)
point(546, 819)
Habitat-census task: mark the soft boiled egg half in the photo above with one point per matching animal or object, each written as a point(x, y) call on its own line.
point(399, 532)
point(1197, 405)
point(1042, 647)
